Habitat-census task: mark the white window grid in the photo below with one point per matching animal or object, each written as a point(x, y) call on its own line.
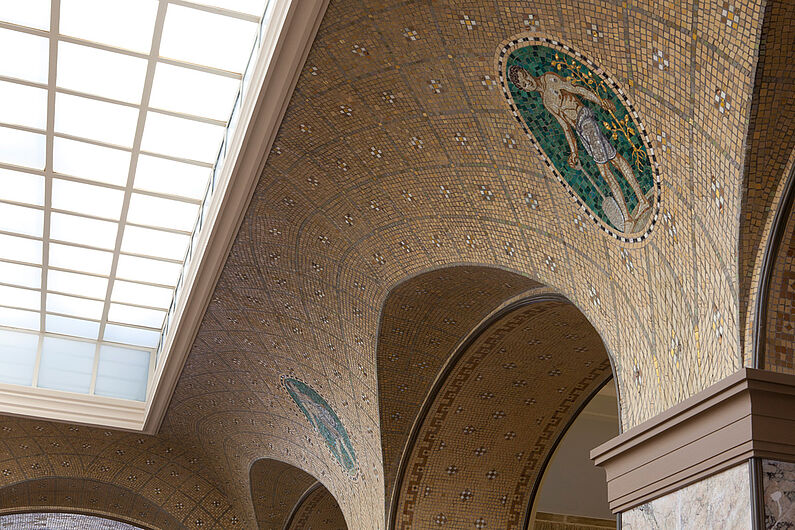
point(213, 169)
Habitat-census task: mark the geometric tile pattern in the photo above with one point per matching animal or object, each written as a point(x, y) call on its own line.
point(276, 488)
point(318, 511)
point(423, 321)
point(397, 156)
point(496, 417)
point(770, 155)
point(780, 326)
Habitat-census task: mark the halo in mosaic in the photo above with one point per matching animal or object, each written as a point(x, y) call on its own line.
point(325, 421)
point(587, 132)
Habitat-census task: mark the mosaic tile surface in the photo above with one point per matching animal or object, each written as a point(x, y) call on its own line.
point(276, 488)
point(496, 416)
point(318, 511)
point(399, 155)
point(779, 486)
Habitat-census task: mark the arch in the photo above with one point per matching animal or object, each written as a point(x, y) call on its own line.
point(479, 356)
point(87, 497)
point(288, 498)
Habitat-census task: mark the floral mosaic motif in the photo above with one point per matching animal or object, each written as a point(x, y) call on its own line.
point(587, 132)
point(325, 422)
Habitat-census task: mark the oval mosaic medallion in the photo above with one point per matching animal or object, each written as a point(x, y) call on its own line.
point(325, 422)
point(587, 132)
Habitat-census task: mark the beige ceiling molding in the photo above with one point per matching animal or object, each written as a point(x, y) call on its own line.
point(295, 24)
point(750, 414)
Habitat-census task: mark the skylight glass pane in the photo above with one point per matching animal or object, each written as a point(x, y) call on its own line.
point(70, 305)
point(154, 243)
point(23, 105)
point(208, 39)
point(100, 72)
point(30, 59)
point(95, 120)
point(252, 7)
point(122, 373)
point(193, 92)
point(79, 284)
point(21, 220)
point(148, 270)
point(66, 365)
point(181, 138)
point(134, 336)
point(17, 186)
point(122, 23)
point(20, 298)
point(84, 231)
point(22, 275)
point(20, 249)
point(81, 259)
point(92, 162)
point(17, 357)
point(22, 148)
point(137, 316)
point(138, 294)
point(164, 213)
point(31, 13)
point(172, 178)
point(87, 199)
point(19, 318)
point(72, 326)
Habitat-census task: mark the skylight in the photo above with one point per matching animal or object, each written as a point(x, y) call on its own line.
point(112, 114)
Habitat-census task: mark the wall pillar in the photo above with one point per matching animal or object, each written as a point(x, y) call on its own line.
point(720, 459)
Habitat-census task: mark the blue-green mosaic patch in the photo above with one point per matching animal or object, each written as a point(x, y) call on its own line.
point(325, 421)
point(595, 114)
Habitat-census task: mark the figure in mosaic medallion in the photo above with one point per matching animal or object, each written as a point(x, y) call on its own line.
point(561, 99)
point(325, 421)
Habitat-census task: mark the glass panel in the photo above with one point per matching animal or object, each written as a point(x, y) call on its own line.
point(23, 105)
point(95, 120)
point(30, 60)
point(172, 178)
point(181, 138)
point(122, 373)
point(252, 7)
point(17, 186)
point(84, 231)
point(72, 326)
point(23, 275)
point(155, 243)
point(99, 72)
point(147, 270)
point(21, 220)
point(205, 38)
point(70, 305)
point(31, 13)
point(80, 259)
point(136, 316)
point(134, 336)
point(19, 318)
point(22, 148)
point(122, 23)
point(193, 92)
point(165, 213)
point(79, 284)
point(66, 365)
point(17, 357)
point(20, 249)
point(139, 294)
point(87, 199)
point(20, 298)
point(91, 162)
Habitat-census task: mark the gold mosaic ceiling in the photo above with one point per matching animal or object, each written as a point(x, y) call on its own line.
point(398, 155)
point(276, 488)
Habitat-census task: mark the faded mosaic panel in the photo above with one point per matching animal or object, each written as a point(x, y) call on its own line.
point(61, 521)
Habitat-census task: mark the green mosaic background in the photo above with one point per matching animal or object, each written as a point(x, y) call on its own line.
point(538, 60)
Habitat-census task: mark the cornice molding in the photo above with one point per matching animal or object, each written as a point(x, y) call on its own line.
point(750, 414)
